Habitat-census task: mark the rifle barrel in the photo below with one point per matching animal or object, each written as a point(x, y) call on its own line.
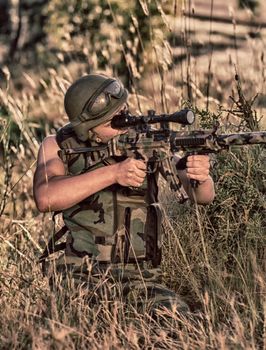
point(207, 141)
point(244, 138)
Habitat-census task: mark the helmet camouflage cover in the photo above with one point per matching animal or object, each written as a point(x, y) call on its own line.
point(93, 100)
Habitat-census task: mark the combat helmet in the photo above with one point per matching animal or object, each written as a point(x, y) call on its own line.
point(92, 100)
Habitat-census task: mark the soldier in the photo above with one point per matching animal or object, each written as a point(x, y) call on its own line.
point(109, 203)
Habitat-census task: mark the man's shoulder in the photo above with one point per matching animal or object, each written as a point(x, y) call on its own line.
point(49, 145)
point(49, 140)
point(64, 134)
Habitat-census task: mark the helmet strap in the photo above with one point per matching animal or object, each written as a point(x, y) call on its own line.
point(94, 137)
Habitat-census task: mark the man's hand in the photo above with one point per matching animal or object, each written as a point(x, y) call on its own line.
point(198, 167)
point(131, 172)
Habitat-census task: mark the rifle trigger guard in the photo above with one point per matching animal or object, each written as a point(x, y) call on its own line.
point(152, 171)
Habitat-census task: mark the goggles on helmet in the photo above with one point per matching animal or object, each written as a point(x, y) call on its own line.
point(101, 99)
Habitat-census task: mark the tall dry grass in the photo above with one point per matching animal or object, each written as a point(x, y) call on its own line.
point(214, 256)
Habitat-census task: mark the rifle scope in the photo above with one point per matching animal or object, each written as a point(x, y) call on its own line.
point(125, 120)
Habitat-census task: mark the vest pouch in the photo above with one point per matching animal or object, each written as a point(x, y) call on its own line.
point(131, 220)
point(153, 233)
point(91, 223)
point(135, 245)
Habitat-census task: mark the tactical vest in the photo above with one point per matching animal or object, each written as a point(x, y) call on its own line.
point(117, 224)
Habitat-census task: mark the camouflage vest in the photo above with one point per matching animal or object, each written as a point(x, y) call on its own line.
point(116, 224)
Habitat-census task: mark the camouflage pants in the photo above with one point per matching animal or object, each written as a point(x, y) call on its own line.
point(136, 285)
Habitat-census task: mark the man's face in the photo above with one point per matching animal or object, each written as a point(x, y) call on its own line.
point(105, 132)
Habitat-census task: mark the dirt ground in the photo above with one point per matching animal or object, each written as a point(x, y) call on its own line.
point(232, 42)
point(228, 8)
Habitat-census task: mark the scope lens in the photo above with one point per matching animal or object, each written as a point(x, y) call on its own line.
point(190, 117)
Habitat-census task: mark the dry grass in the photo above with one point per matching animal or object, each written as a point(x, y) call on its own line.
point(214, 256)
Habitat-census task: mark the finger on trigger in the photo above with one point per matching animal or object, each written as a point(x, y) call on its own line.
point(140, 172)
point(139, 177)
point(141, 165)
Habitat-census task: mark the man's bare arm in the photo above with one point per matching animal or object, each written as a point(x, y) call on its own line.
point(53, 190)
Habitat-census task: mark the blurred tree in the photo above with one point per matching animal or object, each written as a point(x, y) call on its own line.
point(29, 30)
point(5, 25)
point(110, 34)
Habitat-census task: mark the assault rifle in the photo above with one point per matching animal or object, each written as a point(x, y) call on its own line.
point(147, 140)
point(206, 141)
point(155, 145)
